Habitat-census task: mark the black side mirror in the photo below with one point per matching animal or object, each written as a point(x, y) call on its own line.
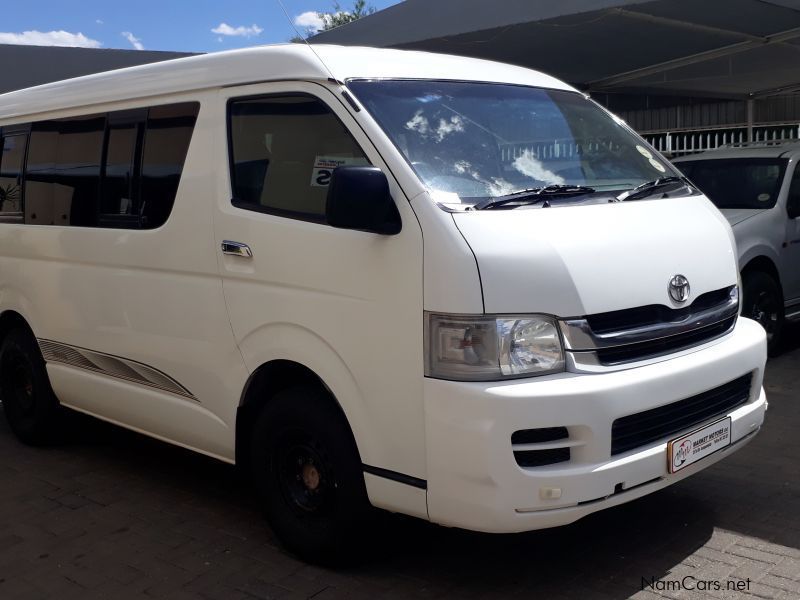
point(359, 198)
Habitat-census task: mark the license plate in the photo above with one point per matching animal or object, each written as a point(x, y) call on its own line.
point(690, 448)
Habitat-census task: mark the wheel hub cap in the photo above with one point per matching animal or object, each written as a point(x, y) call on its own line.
point(310, 477)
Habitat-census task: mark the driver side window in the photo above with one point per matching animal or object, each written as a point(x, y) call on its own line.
point(284, 149)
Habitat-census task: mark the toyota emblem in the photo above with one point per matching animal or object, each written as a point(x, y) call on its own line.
point(679, 288)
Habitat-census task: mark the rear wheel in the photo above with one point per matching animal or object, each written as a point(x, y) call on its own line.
point(308, 473)
point(763, 302)
point(32, 410)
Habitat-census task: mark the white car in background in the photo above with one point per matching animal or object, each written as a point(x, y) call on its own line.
point(757, 188)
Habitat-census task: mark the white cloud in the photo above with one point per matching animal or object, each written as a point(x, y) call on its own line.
point(99, 21)
point(445, 128)
point(241, 31)
point(49, 38)
point(310, 20)
point(135, 42)
point(527, 164)
point(418, 123)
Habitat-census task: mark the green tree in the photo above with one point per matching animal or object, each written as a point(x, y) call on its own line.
point(338, 17)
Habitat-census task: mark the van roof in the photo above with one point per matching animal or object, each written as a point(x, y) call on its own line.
point(263, 63)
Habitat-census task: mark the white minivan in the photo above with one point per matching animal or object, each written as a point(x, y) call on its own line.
point(440, 286)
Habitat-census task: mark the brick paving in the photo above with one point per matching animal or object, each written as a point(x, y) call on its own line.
point(116, 515)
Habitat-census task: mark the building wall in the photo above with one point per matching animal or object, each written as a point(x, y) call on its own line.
point(27, 66)
point(655, 114)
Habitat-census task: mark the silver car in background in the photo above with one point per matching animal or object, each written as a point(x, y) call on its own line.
point(757, 188)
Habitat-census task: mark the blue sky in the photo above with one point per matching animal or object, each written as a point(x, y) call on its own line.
point(198, 26)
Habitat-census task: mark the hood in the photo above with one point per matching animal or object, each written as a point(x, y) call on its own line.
point(581, 260)
point(737, 215)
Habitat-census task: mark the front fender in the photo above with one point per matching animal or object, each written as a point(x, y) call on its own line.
point(289, 341)
point(749, 252)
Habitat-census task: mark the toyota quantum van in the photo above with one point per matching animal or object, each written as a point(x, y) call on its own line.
point(440, 286)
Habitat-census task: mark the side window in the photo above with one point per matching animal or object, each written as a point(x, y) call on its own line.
point(118, 169)
point(63, 173)
point(793, 201)
point(77, 174)
point(283, 151)
point(12, 159)
point(40, 176)
point(119, 193)
point(166, 143)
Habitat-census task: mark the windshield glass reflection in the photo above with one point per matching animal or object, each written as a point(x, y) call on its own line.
point(483, 140)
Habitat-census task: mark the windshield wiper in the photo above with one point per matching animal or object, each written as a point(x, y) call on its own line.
point(532, 196)
point(647, 189)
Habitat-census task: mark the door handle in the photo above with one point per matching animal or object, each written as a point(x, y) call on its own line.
point(236, 249)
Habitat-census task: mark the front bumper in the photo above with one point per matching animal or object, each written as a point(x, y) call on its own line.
point(474, 481)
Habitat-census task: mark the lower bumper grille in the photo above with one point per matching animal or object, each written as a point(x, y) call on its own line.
point(641, 429)
point(540, 458)
point(540, 447)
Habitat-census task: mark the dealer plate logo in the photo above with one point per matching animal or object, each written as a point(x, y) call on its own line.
point(690, 448)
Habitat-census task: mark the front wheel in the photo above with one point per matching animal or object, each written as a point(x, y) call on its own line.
point(309, 477)
point(763, 302)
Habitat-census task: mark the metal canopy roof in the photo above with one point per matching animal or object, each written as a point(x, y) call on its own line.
point(718, 48)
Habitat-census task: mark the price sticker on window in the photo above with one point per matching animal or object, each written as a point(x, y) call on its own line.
point(324, 166)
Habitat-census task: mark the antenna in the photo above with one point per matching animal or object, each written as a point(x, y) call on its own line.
point(310, 47)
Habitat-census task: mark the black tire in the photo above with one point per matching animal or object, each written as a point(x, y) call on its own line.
point(31, 407)
point(762, 301)
point(309, 477)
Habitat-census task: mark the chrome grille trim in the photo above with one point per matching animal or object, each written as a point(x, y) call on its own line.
point(579, 337)
point(643, 335)
point(590, 362)
point(112, 366)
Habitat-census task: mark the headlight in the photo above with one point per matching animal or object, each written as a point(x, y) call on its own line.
point(481, 348)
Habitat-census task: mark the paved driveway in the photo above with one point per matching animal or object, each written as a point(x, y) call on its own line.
point(121, 516)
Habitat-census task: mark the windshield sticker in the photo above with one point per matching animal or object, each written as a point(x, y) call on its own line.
point(644, 151)
point(324, 166)
point(657, 165)
point(763, 197)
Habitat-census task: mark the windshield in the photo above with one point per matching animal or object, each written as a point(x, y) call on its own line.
point(737, 182)
point(471, 141)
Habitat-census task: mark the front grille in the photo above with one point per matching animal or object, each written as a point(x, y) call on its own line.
point(645, 332)
point(641, 429)
point(659, 347)
point(640, 316)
